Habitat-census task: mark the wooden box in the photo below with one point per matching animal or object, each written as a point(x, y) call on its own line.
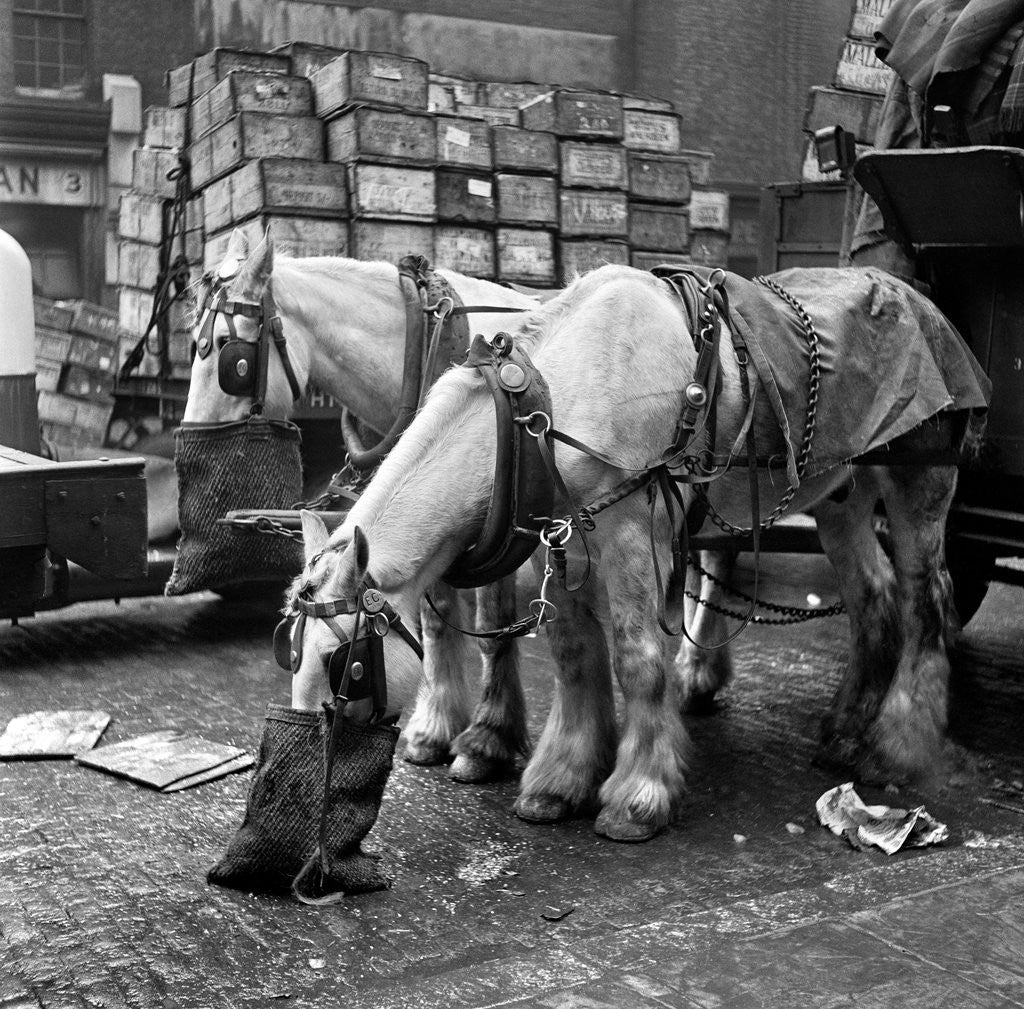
point(87, 383)
point(384, 135)
point(641, 260)
point(277, 186)
point(576, 257)
point(526, 255)
point(853, 110)
point(657, 227)
point(651, 131)
point(490, 114)
point(519, 150)
point(186, 83)
point(463, 142)
point(50, 314)
point(867, 16)
point(251, 135)
point(593, 166)
point(377, 78)
point(465, 196)
point(48, 375)
point(249, 91)
point(392, 192)
point(141, 218)
point(93, 352)
point(164, 127)
point(52, 344)
point(467, 250)
point(307, 57)
point(591, 213)
point(150, 168)
point(801, 225)
point(709, 248)
point(659, 178)
point(700, 166)
point(138, 265)
point(511, 96)
point(459, 90)
point(93, 320)
point(293, 236)
point(527, 199)
point(861, 70)
point(709, 210)
point(389, 241)
point(575, 114)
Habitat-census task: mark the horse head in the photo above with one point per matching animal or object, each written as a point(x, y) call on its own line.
point(242, 358)
point(342, 633)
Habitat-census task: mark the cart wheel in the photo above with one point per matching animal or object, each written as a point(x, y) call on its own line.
point(971, 569)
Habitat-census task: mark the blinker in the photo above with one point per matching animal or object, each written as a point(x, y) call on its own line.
point(236, 367)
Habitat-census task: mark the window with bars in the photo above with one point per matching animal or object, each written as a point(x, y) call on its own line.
point(49, 47)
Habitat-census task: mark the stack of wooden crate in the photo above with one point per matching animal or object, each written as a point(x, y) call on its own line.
point(855, 98)
point(76, 361)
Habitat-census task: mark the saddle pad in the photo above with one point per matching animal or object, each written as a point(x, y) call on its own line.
point(889, 358)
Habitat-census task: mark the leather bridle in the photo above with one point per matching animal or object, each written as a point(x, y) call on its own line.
point(242, 364)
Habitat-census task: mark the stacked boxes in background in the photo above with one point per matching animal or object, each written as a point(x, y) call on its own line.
point(76, 363)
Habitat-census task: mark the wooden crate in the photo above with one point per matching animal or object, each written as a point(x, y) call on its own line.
point(709, 248)
point(465, 196)
point(867, 16)
point(593, 166)
point(93, 320)
point(527, 199)
point(645, 130)
point(658, 227)
point(86, 383)
point(641, 260)
point(801, 225)
point(164, 127)
point(855, 111)
point(307, 57)
point(592, 213)
point(392, 192)
point(700, 166)
point(526, 255)
point(138, 265)
point(186, 83)
point(252, 135)
point(659, 178)
point(383, 135)
point(93, 352)
point(467, 250)
point(292, 236)
point(51, 315)
point(277, 186)
point(52, 344)
point(141, 218)
point(576, 257)
point(459, 90)
point(48, 375)
point(575, 114)
point(376, 78)
point(709, 210)
point(519, 150)
point(861, 70)
point(250, 91)
point(150, 168)
point(389, 241)
point(511, 96)
point(463, 142)
point(490, 114)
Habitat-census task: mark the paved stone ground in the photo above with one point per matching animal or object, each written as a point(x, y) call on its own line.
point(103, 901)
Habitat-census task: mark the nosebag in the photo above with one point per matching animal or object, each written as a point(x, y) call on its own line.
point(843, 811)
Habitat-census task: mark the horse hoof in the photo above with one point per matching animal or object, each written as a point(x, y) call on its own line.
point(426, 754)
point(626, 831)
point(473, 770)
point(541, 808)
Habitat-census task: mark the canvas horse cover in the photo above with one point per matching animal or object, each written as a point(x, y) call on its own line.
point(889, 359)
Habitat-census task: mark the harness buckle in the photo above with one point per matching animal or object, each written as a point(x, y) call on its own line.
point(529, 419)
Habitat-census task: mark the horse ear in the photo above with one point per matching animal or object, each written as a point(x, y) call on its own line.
point(258, 267)
point(314, 534)
point(361, 546)
point(235, 254)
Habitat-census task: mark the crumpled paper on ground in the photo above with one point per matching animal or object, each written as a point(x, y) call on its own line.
point(843, 811)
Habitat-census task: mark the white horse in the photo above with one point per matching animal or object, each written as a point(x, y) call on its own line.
point(615, 352)
point(345, 325)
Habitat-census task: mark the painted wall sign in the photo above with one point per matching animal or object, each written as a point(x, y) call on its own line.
point(62, 183)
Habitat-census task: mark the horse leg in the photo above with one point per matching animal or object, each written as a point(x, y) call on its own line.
point(701, 669)
point(577, 745)
point(497, 733)
point(444, 701)
point(867, 588)
point(639, 797)
point(906, 737)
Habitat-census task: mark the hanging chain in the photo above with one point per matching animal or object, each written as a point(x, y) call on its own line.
point(262, 524)
point(813, 388)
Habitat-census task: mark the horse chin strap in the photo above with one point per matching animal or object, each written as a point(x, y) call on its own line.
point(242, 364)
